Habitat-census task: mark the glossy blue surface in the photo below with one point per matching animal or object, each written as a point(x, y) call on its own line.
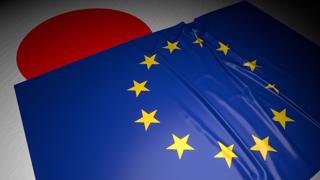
point(79, 120)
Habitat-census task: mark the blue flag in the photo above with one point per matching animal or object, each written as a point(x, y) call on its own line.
point(193, 101)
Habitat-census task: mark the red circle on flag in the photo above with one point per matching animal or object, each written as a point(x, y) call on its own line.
point(74, 35)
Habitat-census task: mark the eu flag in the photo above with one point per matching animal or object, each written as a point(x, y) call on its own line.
point(189, 102)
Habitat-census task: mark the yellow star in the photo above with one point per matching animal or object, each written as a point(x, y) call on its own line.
point(172, 46)
point(251, 64)
point(149, 61)
point(180, 145)
point(226, 153)
point(138, 87)
point(262, 146)
point(198, 40)
point(224, 48)
point(281, 117)
point(147, 118)
point(273, 86)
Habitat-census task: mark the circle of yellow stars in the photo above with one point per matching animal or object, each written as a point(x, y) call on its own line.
point(180, 145)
